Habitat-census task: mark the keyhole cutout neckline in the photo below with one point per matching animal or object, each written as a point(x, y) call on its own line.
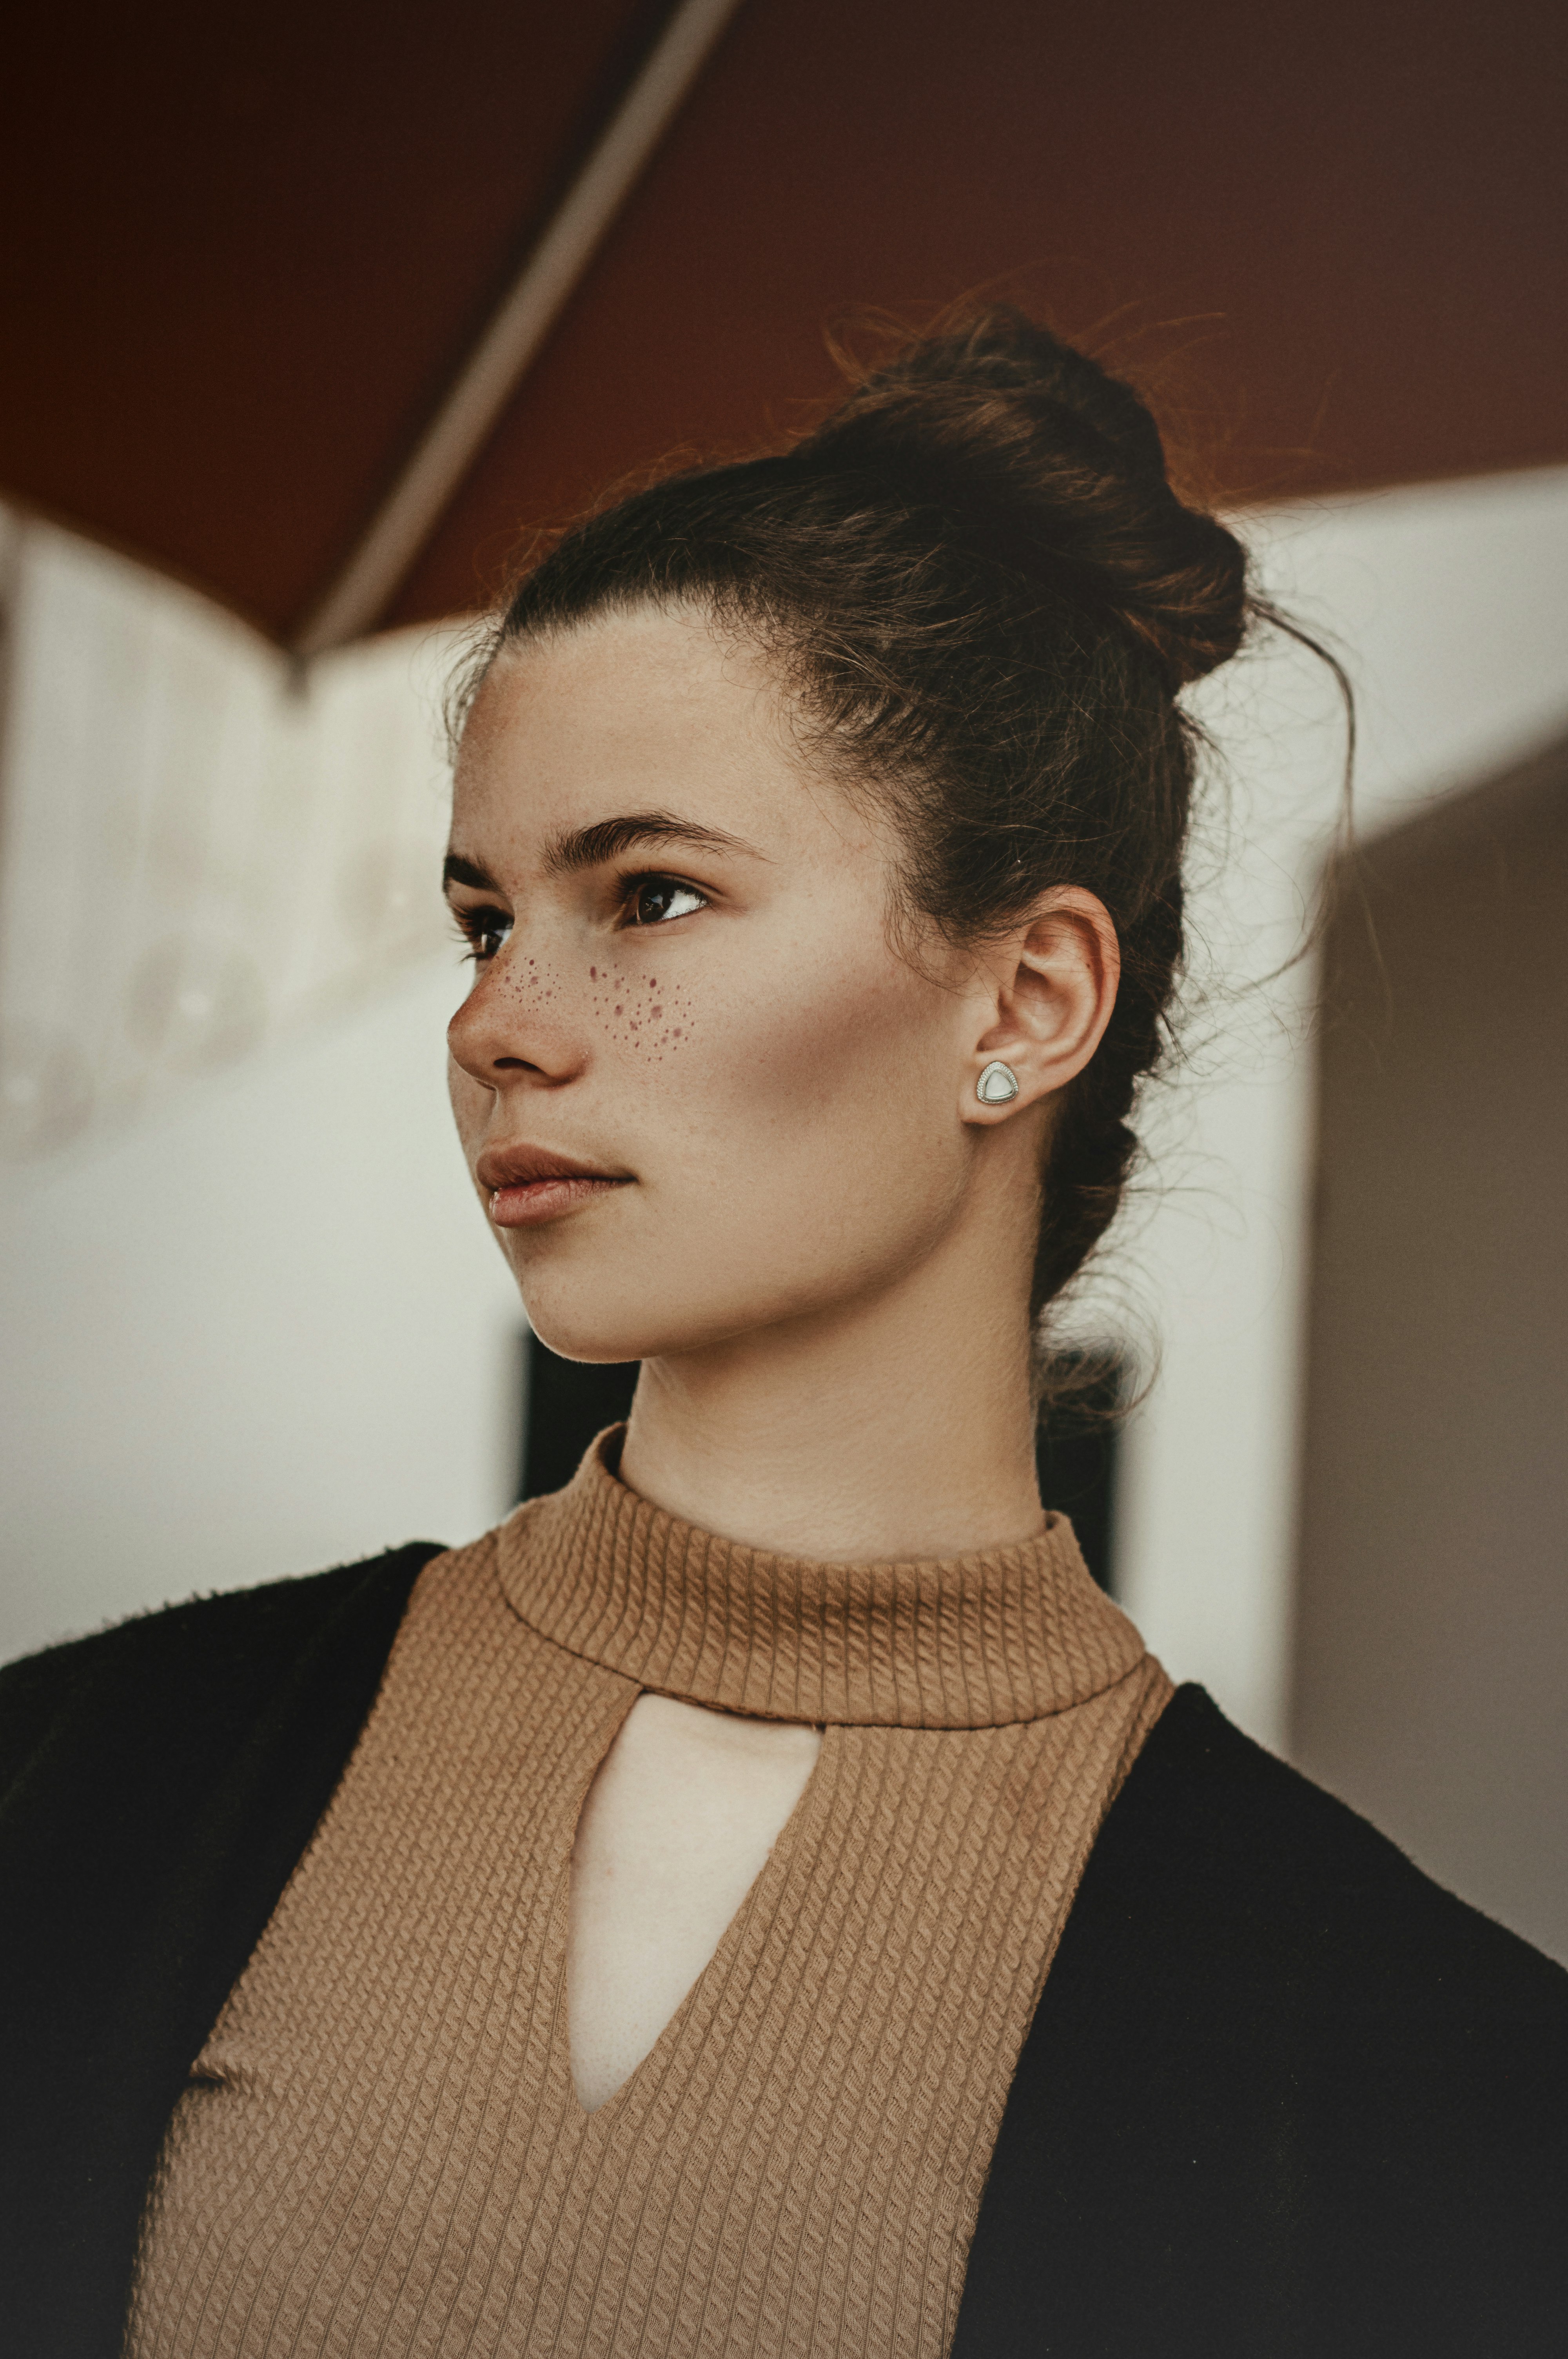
point(680, 1827)
point(980, 1641)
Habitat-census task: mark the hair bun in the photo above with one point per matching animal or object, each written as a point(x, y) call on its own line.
point(1059, 469)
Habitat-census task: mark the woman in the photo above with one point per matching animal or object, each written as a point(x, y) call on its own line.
point(763, 1897)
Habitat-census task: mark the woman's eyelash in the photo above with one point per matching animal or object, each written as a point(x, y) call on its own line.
point(479, 926)
point(484, 928)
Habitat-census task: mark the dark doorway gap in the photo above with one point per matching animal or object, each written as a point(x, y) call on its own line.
point(566, 1402)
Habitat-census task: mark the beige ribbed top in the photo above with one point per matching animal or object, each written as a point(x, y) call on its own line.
point(381, 2149)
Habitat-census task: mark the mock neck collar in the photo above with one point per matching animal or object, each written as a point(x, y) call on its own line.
point(1006, 1634)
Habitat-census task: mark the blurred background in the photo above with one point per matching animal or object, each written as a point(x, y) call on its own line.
point(311, 313)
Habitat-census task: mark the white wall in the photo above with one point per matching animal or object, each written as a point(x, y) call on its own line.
point(252, 1322)
point(264, 1332)
point(1430, 1629)
point(1450, 604)
point(203, 851)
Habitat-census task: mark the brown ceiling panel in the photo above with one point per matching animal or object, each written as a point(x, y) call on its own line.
point(247, 246)
point(1360, 211)
point(247, 249)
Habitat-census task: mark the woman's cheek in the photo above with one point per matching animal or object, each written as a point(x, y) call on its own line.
point(832, 1026)
point(747, 1021)
point(734, 1051)
point(645, 1015)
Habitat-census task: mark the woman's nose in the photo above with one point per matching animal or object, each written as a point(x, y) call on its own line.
point(507, 1028)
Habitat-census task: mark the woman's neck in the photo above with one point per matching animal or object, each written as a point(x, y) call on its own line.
point(896, 1426)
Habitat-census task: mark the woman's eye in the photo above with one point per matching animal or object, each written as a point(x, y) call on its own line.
point(485, 932)
point(649, 900)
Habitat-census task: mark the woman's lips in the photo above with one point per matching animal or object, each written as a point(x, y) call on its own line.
point(522, 1202)
point(527, 1184)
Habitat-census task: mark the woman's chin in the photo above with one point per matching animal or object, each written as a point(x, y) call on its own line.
point(608, 1324)
point(576, 1329)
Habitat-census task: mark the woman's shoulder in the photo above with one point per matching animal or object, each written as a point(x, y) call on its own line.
point(232, 1644)
point(158, 1782)
point(1231, 1847)
point(1281, 2087)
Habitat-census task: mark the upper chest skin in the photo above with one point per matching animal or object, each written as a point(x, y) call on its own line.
point(676, 1827)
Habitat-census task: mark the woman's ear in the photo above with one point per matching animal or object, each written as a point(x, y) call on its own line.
point(1053, 983)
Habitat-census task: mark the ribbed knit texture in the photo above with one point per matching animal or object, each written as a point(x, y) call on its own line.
point(381, 2149)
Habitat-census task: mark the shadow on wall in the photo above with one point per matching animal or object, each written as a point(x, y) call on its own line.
point(1432, 1642)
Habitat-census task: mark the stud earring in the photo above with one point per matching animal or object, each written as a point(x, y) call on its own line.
point(997, 1085)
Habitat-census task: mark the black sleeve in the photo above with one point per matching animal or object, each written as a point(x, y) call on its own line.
point(1283, 2097)
point(158, 1783)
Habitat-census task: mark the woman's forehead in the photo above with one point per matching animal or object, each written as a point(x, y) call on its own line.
point(665, 659)
point(637, 712)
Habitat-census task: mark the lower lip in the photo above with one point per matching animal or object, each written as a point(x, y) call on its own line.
point(545, 1200)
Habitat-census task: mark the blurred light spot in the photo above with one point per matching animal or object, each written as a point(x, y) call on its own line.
point(45, 1090)
point(196, 1002)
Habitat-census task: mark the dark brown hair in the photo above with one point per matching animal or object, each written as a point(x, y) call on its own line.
point(983, 591)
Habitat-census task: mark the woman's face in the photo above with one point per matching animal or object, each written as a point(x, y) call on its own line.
point(684, 992)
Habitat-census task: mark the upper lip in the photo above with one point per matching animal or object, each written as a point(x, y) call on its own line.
point(518, 1166)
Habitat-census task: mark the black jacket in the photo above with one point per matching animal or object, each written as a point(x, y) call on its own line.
point(1283, 2098)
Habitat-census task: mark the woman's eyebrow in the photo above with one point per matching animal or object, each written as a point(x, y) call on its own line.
point(587, 847)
